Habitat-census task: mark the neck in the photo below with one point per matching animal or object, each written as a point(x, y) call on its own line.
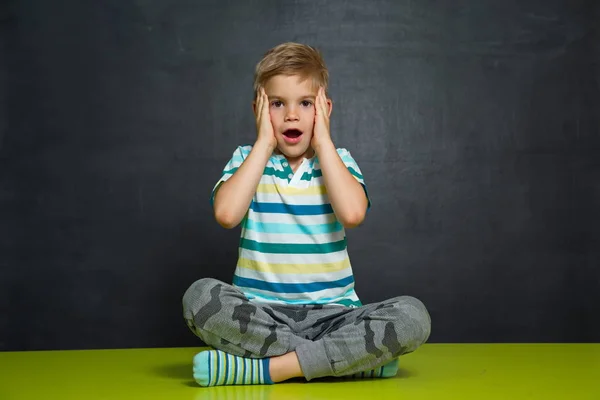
point(294, 162)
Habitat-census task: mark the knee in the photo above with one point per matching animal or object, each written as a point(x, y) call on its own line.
point(198, 295)
point(411, 313)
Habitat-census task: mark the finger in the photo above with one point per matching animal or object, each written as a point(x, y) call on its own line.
point(323, 102)
point(318, 100)
point(258, 101)
point(265, 109)
point(317, 106)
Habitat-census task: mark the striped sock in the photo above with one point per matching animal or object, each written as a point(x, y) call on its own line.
point(385, 371)
point(215, 368)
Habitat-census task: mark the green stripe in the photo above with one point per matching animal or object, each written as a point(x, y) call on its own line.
point(344, 302)
point(348, 303)
point(356, 174)
point(230, 171)
point(270, 171)
point(218, 369)
point(281, 174)
point(315, 174)
point(210, 376)
point(227, 375)
point(235, 370)
point(292, 248)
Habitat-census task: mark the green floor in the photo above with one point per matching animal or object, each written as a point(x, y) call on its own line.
point(435, 371)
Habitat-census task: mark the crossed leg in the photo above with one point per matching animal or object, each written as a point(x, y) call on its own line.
point(310, 341)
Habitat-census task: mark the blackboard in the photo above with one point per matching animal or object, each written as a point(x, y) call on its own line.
point(475, 124)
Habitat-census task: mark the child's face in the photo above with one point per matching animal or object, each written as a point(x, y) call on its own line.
point(292, 110)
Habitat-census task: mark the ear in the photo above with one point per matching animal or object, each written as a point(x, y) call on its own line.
point(254, 108)
point(329, 107)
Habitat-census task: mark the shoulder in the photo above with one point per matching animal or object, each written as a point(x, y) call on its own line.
point(242, 150)
point(241, 153)
point(344, 153)
point(245, 148)
point(346, 156)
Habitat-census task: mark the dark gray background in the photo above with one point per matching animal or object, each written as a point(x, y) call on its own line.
point(475, 124)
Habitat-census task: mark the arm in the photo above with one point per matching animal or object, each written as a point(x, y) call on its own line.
point(233, 197)
point(346, 194)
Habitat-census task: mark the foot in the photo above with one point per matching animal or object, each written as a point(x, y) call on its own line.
point(216, 368)
point(285, 367)
point(385, 371)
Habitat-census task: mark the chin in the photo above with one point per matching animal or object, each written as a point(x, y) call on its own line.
point(294, 152)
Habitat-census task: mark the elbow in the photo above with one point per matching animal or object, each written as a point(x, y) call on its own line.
point(355, 215)
point(227, 224)
point(353, 220)
point(226, 220)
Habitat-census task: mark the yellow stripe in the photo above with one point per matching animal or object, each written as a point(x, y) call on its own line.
point(213, 359)
point(229, 379)
point(254, 371)
point(272, 188)
point(243, 371)
point(294, 268)
point(249, 372)
point(224, 366)
point(323, 218)
point(233, 370)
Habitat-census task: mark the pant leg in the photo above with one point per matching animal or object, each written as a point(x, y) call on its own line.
point(360, 339)
point(225, 319)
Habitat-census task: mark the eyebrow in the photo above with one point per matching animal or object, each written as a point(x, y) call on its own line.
point(308, 96)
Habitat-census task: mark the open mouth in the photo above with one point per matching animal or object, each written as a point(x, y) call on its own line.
point(292, 135)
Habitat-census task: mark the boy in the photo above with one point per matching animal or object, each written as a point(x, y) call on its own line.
point(292, 310)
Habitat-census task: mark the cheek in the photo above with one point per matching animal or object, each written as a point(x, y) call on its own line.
point(276, 115)
point(309, 115)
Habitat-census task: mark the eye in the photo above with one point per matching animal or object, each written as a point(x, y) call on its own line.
point(276, 103)
point(306, 103)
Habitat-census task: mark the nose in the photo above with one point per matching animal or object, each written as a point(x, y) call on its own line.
point(291, 115)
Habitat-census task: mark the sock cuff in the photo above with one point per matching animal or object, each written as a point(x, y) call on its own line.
point(266, 373)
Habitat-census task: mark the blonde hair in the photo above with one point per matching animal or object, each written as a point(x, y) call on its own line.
point(291, 59)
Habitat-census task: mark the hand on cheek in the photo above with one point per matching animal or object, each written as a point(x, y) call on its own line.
point(321, 126)
point(264, 124)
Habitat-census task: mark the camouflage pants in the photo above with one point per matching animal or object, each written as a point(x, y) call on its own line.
point(329, 340)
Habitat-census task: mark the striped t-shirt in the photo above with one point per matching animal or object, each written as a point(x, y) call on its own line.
point(292, 248)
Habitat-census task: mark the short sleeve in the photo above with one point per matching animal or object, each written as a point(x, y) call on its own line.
point(236, 160)
point(354, 169)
